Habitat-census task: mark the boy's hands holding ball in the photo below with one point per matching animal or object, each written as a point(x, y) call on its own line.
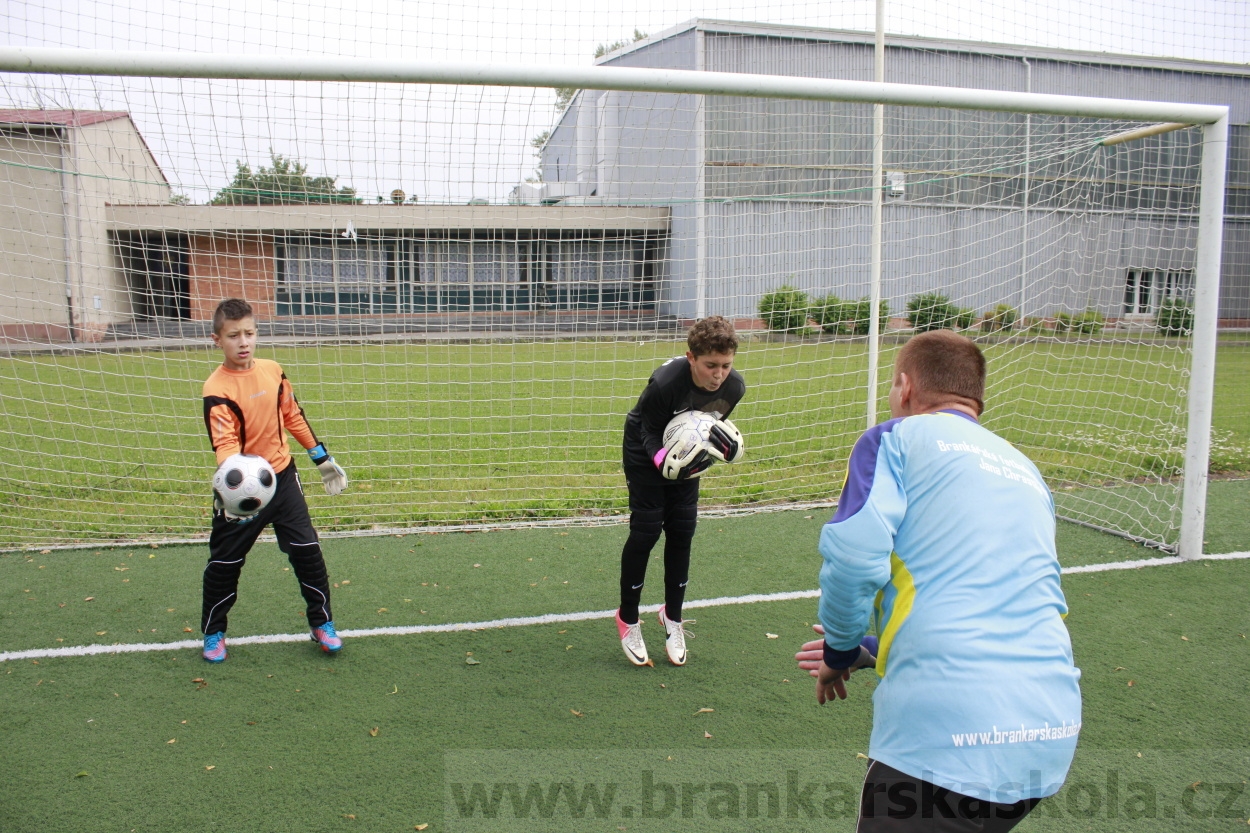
point(673, 465)
point(724, 441)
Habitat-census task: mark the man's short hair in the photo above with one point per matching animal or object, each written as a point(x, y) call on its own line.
point(231, 309)
point(713, 334)
point(942, 364)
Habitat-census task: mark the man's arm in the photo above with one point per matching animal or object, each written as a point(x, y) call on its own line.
point(857, 543)
point(856, 547)
point(830, 682)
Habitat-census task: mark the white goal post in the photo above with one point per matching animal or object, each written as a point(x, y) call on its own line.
point(1211, 120)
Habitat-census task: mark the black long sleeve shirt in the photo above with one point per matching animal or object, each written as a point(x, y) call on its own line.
point(670, 391)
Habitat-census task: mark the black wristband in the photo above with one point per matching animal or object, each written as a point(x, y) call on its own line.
point(840, 660)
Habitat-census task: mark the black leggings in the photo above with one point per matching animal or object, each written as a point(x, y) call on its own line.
point(670, 507)
point(229, 544)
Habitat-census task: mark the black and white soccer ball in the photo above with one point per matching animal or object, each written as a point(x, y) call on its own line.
point(244, 484)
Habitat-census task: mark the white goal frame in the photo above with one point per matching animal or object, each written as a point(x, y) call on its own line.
point(1213, 119)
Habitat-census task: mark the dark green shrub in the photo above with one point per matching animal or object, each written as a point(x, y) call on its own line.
point(785, 309)
point(930, 311)
point(828, 312)
point(1001, 318)
point(1089, 322)
point(861, 318)
point(838, 317)
point(934, 311)
point(1175, 318)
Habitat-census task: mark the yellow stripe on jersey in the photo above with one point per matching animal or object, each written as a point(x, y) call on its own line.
point(904, 597)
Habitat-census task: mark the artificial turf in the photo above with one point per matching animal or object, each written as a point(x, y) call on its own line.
point(102, 447)
point(282, 737)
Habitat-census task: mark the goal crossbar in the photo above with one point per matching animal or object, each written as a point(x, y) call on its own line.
point(50, 60)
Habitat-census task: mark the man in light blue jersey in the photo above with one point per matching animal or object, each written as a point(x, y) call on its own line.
point(944, 541)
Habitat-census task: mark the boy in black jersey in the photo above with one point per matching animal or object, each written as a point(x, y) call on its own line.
point(702, 380)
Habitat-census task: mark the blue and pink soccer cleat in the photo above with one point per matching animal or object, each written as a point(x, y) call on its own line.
point(215, 646)
point(327, 638)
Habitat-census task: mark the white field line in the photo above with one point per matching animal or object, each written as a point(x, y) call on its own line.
point(518, 621)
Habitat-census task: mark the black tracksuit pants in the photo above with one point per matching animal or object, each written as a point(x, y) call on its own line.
point(894, 802)
point(230, 542)
point(657, 505)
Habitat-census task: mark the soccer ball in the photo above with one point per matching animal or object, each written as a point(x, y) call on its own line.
point(687, 434)
point(244, 483)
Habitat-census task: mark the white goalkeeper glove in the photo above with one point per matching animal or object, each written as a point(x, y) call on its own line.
point(683, 461)
point(725, 442)
point(332, 475)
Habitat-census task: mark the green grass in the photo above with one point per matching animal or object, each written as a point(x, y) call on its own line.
point(288, 730)
point(101, 447)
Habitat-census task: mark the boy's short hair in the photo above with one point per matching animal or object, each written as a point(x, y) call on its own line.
point(942, 364)
point(231, 309)
point(713, 334)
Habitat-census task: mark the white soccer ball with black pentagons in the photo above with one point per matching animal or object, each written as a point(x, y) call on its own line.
point(244, 484)
point(686, 438)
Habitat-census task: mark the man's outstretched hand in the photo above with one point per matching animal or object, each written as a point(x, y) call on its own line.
point(830, 682)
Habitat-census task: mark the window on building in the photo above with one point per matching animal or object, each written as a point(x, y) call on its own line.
point(1146, 289)
point(327, 262)
point(579, 261)
point(496, 261)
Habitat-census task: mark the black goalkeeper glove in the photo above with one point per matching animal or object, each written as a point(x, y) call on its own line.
point(725, 441)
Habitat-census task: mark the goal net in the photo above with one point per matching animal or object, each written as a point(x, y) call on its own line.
point(469, 288)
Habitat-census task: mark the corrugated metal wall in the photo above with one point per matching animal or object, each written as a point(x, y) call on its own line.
point(976, 256)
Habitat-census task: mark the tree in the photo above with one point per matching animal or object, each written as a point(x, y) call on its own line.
point(285, 182)
point(564, 95)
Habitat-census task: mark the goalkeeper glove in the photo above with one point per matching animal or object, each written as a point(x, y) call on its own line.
point(332, 475)
point(725, 441)
point(676, 465)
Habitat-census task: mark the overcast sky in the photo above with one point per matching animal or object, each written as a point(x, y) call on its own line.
point(449, 144)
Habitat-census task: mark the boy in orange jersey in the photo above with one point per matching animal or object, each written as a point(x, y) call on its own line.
point(247, 404)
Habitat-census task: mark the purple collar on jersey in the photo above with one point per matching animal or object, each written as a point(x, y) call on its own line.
point(959, 413)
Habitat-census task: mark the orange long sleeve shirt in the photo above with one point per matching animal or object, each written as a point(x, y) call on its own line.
point(245, 411)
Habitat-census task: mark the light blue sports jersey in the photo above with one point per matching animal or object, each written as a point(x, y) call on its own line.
point(945, 534)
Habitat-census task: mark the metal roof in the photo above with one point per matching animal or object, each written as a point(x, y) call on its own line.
point(65, 118)
point(811, 33)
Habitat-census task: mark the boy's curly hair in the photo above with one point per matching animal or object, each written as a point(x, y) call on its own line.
point(231, 309)
point(713, 334)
